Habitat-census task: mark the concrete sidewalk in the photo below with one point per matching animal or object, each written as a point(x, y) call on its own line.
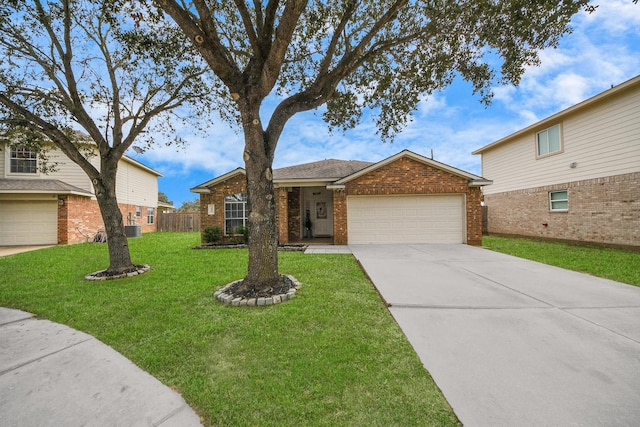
point(327, 249)
point(52, 375)
point(512, 342)
point(11, 250)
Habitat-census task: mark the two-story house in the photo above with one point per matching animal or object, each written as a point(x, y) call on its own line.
point(573, 176)
point(60, 207)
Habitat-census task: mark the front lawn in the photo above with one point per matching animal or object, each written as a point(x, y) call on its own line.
point(619, 265)
point(333, 356)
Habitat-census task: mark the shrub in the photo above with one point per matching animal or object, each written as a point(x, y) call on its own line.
point(245, 233)
point(211, 234)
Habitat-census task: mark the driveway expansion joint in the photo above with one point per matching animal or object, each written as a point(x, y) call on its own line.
point(470, 307)
point(38, 359)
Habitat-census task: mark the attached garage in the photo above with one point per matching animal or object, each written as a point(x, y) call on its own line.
point(406, 219)
point(406, 198)
point(28, 222)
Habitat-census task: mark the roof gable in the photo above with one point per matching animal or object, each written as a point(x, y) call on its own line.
point(141, 165)
point(204, 187)
point(473, 179)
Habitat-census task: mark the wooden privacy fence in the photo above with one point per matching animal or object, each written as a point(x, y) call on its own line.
point(179, 221)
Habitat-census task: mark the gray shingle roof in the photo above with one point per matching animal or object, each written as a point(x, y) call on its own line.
point(324, 169)
point(39, 185)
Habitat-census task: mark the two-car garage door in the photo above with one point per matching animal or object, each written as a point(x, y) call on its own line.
point(28, 223)
point(406, 219)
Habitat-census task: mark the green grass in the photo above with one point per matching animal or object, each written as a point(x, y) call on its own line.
point(333, 356)
point(614, 264)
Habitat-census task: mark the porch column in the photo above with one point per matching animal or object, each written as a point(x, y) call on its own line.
point(339, 217)
point(282, 215)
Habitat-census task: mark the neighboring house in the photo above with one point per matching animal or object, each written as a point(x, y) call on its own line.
point(60, 207)
point(406, 198)
point(164, 207)
point(573, 176)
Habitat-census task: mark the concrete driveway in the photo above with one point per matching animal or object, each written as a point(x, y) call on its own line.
point(512, 342)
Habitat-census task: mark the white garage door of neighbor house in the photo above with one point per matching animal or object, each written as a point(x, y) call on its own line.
point(28, 223)
point(406, 219)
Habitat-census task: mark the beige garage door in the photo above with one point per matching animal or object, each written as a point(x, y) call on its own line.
point(28, 223)
point(406, 219)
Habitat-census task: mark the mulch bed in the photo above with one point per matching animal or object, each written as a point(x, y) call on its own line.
point(281, 288)
point(136, 270)
point(284, 248)
point(231, 294)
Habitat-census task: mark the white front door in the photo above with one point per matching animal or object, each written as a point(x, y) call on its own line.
point(318, 204)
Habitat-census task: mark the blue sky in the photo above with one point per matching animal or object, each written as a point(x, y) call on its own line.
point(603, 50)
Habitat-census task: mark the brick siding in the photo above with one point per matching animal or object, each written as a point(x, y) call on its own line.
point(79, 219)
point(602, 210)
point(294, 214)
point(404, 176)
point(234, 185)
point(408, 176)
point(282, 214)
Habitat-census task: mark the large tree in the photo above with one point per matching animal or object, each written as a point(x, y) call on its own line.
point(99, 69)
point(350, 55)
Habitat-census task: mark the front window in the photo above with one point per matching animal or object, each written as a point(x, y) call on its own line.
point(23, 160)
point(548, 141)
point(559, 200)
point(235, 213)
point(150, 215)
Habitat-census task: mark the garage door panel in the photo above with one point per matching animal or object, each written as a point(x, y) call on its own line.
point(28, 223)
point(406, 219)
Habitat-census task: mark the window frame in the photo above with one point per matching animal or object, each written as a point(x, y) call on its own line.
point(560, 149)
point(14, 159)
point(238, 200)
point(564, 200)
point(151, 215)
point(138, 211)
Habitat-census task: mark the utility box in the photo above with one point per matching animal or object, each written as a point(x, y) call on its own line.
point(133, 230)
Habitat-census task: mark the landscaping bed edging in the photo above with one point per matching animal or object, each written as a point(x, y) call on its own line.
point(229, 299)
point(100, 275)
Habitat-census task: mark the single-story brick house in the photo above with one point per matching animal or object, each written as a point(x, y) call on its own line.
point(406, 198)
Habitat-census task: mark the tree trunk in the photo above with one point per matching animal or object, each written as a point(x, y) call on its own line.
point(119, 256)
point(262, 273)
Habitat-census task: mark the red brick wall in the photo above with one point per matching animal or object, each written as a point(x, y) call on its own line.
point(233, 185)
point(404, 176)
point(408, 176)
point(603, 211)
point(238, 184)
point(79, 219)
point(294, 214)
point(282, 214)
point(339, 217)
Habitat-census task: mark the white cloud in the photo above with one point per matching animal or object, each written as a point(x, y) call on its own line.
point(615, 17)
point(216, 153)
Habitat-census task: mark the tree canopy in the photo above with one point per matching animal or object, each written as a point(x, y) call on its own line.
point(92, 77)
point(192, 206)
point(351, 55)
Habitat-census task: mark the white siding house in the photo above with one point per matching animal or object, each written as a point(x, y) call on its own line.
point(572, 176)
point(60, 207)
